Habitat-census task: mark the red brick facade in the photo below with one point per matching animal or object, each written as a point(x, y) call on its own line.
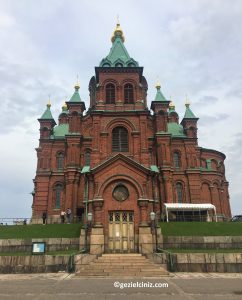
point(156, 161)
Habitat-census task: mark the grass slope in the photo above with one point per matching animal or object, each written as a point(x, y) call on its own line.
point(201, 228)
point(40, 231)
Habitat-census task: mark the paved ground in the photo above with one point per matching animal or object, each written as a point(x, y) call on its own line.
point(64, 286)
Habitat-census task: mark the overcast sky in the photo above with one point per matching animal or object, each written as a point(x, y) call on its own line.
point(193, 46)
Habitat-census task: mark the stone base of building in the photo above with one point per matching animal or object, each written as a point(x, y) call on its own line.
point(97, 240)
point(145, 240)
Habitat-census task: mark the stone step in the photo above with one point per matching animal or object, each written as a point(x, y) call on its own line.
point(126, 255)
point(144, 267)
point(121, 260)
point(121, 265)
point(118, 275)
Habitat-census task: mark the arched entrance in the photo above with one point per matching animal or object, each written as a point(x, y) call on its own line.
point(121, 216)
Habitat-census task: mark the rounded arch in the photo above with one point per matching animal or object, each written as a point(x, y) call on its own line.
point(162, 112)
point(206, 181)
point(217, 183)
point(57, 183)
point(120, 122)
point(118, 178)
point(74, 113)
point(110, 80)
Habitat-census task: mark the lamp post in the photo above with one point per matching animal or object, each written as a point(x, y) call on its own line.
point(153, 225)
point(87, 226)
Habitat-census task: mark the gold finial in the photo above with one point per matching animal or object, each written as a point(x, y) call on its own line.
point(157, 85)
point(118, 32)
point(77, 85)
point(187, 103)
point(172, 105)
point(49, 103)
point(64, 107)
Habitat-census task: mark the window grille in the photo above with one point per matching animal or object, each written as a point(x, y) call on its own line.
point(179, 192)
point(110, 93)
point(120, 140)
point(128, 93)
point(60, 161)
point(58, 191)
point(176, 158)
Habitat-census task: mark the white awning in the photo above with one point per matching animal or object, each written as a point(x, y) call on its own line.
point(188, 207)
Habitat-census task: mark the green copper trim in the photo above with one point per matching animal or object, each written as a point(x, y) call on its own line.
point(188, 113)
point(47, 115)
point(61, 130)
point(85, 169)
point(118, 56)
point(154, 168)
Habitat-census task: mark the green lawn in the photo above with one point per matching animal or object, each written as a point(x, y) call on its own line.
point(40, 231)
point(204, 250)
point(201, 228)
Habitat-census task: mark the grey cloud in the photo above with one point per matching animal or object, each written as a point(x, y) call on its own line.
point(206, 100)
point(205, 120)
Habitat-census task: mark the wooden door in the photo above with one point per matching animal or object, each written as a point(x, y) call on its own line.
point(121, 231)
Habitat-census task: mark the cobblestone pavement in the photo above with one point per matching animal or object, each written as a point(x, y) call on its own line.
point(60, 286)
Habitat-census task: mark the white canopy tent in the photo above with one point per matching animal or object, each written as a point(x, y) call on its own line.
point(189, 207)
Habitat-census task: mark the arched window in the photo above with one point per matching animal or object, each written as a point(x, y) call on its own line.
point(179, 192)
point(60, 161)
point(58, 191)
point(110, 93)
point(128, 93)
point(87, 158)
point(176, 160)
point(120, 139)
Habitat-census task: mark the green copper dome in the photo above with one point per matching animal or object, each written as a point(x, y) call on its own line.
point(61, 130)
point(188, 113)
point(47, 115)
point(118, 55)
point(159, 96)
point(76, 96)
point(176, 130)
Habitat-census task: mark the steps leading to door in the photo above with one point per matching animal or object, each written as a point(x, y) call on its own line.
point(121, 265)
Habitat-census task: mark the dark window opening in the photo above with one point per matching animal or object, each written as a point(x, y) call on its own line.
point(128, 93)
point(58, 191)
point(60, 161)
point(176, 158)
point(110, 93)
point(120, 140)
point(87, 158)
point(179, 192)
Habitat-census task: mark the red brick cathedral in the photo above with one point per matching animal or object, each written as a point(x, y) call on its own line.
point(119, 161)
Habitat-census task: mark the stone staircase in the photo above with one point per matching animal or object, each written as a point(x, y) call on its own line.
point(121, 265)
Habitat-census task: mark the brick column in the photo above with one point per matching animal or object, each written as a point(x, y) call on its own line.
point(143, 204)
point(97, 205)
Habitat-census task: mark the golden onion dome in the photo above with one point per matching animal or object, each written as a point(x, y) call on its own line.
point(118, 32)
point(172, 105)
point(158, 85)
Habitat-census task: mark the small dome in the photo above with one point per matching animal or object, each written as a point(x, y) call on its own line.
point(175, 129)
